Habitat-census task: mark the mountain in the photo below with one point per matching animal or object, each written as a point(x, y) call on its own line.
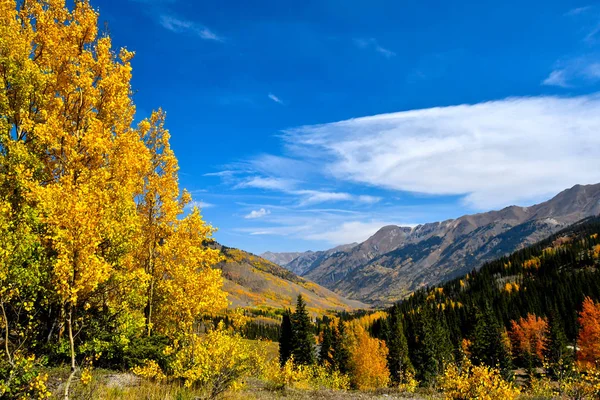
point(396, 260)
point(552, 276)
point(282, 258)
point(302, 262)
point(254, 281)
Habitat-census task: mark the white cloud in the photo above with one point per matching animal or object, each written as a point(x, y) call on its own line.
point(315, 196)
point(578, 71)
point(259, 182)
point(366, 43)
point(369, 199)
point(200, 204)
point(556, 78)
point(348, 232)
point(275, 98)
point(178, 25)
point(257, 214)
point(331, 228)
point(386, 52)
point(306, 197)
point(497, 153)
point(578, 11)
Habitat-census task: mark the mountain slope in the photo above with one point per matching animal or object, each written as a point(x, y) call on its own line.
point(282, 258)
point(303, 262)
point(254, 281)
point(551, 276)
point(396, 261)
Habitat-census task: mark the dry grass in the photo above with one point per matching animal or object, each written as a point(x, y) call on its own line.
point(110, 385)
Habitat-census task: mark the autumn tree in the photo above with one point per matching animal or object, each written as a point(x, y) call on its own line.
point(72, 169)
point(368, 360)
point(588, 340)
point(529, 338)
point(67, 100)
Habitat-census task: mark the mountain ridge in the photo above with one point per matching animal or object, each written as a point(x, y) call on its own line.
point(396, 260)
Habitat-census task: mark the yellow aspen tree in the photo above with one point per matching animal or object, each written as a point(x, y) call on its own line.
point(182, 281)
point(368, 361)
point(68, 100)
point(159, 205)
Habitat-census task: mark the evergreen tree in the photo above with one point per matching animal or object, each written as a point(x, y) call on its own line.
point(557, 353)
point(303, 340)
point(325, 353)
point(398, 359)
point(341, 352)
point(489, 343)
point(285, 338)
point(433, 350)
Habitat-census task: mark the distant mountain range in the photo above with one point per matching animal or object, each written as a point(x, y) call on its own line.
point(396, 260)
point(252, 281)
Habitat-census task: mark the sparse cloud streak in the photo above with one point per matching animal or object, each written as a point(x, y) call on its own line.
point(257, 213)
point(371, 43)
point(275, 98)
point(179, 25)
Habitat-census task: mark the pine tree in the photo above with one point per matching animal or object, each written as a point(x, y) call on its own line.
point(489, 346)
point(557, 353)
point(285, 338)
point(341, 351)
point(303, 340)
point(325, 352)
point(433, 349)
point(398, 360)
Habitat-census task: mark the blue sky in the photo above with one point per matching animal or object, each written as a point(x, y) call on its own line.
point(469, 106)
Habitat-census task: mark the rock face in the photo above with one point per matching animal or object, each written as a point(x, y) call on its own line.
point(282, 258)
point(397, 260)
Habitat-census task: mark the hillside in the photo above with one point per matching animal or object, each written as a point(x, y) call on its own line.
point(396, 260)
point(254, 281)
point(552, 276)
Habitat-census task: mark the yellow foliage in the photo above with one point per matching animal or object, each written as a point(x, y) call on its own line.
point(596, 251)
point(368, 361)
point(216, 362)
point(476, 382)
point(305, 376)
point(149, 370)
point(534, 263)
point(584, 384)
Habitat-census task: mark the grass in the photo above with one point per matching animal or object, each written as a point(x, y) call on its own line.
point(111, 385)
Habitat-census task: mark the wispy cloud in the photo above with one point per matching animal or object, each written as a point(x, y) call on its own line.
point(268, 183)
point(512, 151)
point(306, 196)
point(556, 78)
point(179, 25)
point(333, 230)
point(371, 43)
point(578, 71)
point(257, 213)
point(578, 11)
point(275, 98)
point(199, 204)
